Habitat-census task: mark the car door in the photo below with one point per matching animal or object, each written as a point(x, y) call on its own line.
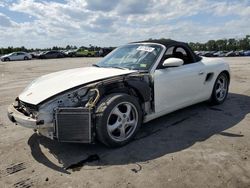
point(53, 54)
point(49, 54)
point(13, 56)
point(178, 87)
point(20, 56)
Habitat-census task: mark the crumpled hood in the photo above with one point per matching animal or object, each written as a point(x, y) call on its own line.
point(49, 85)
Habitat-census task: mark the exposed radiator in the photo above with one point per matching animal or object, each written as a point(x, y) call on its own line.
point(73, 125)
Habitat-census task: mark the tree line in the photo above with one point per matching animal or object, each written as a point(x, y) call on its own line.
point(211, 45)
point(68, 47)
point(223, 44)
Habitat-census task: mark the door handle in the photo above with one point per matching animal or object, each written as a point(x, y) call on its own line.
point(201, 73)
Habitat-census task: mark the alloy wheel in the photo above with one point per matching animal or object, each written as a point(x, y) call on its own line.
point(122, 121)
point(221, 88)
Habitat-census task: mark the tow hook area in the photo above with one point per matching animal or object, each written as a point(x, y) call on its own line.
point(17, 117)
point(11, 118)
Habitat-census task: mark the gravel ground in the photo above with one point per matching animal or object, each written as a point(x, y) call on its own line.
point(199, 146)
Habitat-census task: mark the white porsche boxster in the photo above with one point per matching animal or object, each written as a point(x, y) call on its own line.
point(109, 101)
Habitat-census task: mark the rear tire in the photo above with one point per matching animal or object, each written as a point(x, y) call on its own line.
point(220, 90)
point(6, 59)
point(118, 118)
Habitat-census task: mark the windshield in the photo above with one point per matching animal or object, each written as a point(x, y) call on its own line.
point(132, 56)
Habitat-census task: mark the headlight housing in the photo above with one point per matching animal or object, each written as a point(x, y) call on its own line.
point(71, 98)
point(74, 98)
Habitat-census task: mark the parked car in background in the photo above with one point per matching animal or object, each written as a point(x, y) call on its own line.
point(104, 51)
point(241, 53)
point(85, 53)
point(247, 53)
point(237, 53)
point(200, 53)
point(41, 53)
point(208, 54)
point(230, 54)
point(16, 56)
point(35, 54)
point(51, 54)
point(70, 53)
point(220, 54)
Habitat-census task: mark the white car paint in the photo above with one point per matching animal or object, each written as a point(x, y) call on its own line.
point(179, 87)
point(173, 87)
point(55, 83)
point(16, 56)
point(173, 62)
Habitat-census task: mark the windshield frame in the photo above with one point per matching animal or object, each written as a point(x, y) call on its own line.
point(153, 65)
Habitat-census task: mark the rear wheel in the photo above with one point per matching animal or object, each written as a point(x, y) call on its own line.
point(220, 89)
point(118, 119)
point(6, 59)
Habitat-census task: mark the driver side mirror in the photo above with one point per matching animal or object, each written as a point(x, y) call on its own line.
point(173, 62)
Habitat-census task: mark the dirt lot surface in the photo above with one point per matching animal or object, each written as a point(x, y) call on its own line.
point(200, 146)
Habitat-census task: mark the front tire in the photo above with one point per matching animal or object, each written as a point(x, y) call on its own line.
point(220, 90)
point(118, 118)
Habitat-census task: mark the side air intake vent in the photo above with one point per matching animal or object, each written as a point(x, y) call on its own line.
point(209, 77)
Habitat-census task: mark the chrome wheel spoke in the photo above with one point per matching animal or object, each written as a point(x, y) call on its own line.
point(221, 88)
point(131, 123)
point(129, 108)
point(113, 127)
point(117, 112)
point(220, 82)
point(122, 132)
point(220, 95)
point(218, 90)
point(223, 84)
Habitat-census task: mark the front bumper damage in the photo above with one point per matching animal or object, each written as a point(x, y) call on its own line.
point(19, 118)
point(65, 118)
point(69, 125)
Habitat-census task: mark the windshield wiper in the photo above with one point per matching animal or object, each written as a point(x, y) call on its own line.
point(117, 67)
point(95, 65)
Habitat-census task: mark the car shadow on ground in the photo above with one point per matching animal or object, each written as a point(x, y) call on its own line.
point(170, 133)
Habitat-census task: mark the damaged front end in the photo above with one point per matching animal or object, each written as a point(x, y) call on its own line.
point(70, 116)
point(66, 117)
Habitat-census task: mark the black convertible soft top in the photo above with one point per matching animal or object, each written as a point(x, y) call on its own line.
point(168, 42)
point(165, 42)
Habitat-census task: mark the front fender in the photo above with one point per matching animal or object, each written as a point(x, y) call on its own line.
point(142, 88)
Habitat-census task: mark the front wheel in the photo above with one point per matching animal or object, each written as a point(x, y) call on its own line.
point(220, 89)
point(118, 118)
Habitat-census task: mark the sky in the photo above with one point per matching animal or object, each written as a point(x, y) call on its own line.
point(44, 23)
